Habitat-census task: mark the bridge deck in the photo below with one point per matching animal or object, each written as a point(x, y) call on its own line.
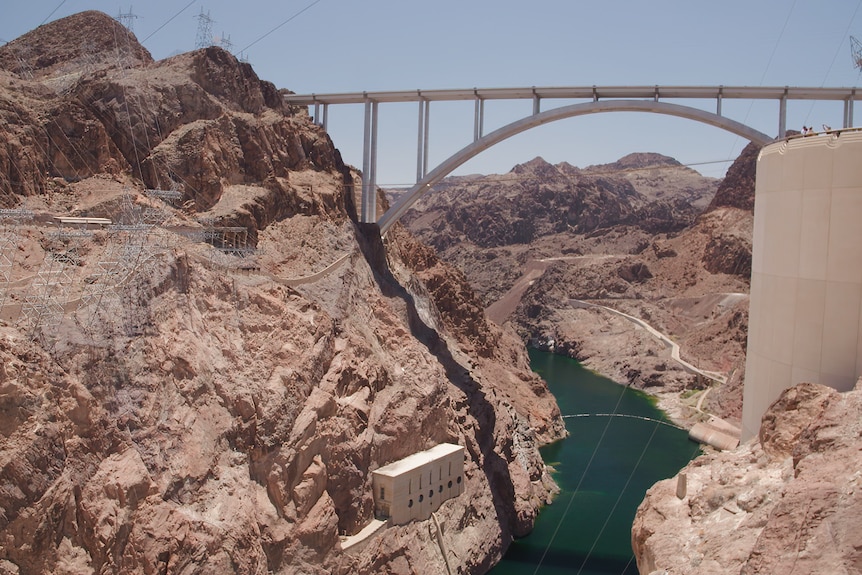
point(582, 92)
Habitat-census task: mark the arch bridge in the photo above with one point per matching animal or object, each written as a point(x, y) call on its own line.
point(597, 99)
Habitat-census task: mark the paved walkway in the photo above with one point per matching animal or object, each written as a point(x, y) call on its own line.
point(367, 531)
point(674, 347)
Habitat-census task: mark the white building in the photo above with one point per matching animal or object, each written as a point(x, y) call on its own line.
point(805, 320)
point(416, 486)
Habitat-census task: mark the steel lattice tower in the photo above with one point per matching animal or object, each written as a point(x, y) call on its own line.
point(856, 52)
point(127, 19)
point(204, 37)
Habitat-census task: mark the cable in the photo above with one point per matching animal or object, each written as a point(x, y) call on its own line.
point(52, 12)
point(279, 26)
point(625, 415)
point(126, 106)
point(153, 33)
point(28, 74)
point(617, 502)
point(841, 44)
point(763, 77)
point(580, 482)
point(834, 58)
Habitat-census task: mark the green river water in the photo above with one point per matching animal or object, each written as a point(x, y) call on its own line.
point(603, 469)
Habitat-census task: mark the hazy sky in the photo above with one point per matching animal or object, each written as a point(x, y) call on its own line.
point(367, 45)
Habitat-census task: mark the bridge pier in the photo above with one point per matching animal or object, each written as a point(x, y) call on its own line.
point(368, 213)
point(317, 117)
point(478, 120)
point(782, 116)
point(422, 138)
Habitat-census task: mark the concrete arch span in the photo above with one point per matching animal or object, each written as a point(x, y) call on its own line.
point(394, 213)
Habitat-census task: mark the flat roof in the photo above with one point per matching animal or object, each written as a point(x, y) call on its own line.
point(76, 220)
point(417, 460)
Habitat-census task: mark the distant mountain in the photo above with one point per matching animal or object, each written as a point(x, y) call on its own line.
point(537, 199)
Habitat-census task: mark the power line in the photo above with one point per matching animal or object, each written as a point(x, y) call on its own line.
point(835, 57)
point(48, 17)
point(580, 482)
point(617, 502)
point(280, 25)
point(626, 415)
point(168, 21)
point(765, 70)
point(841, 44)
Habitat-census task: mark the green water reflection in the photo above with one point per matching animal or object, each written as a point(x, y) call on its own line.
point(587, 530)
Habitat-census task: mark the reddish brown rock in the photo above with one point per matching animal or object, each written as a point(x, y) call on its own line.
point(788, 502)
point(213, 414)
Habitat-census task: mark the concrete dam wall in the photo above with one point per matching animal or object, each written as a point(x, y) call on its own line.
point(806, 283)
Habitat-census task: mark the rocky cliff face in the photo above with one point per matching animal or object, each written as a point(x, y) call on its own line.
point(168, 406)
point(788, 502)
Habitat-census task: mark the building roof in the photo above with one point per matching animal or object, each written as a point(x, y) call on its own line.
point(417, 460)
point(83, 221)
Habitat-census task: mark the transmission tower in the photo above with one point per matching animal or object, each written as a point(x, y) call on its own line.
point(44, 305)
point(113, 297)
point(9, 241)
point(856, 52)
point(127, 19)
point(225, 42)
point(204, 38)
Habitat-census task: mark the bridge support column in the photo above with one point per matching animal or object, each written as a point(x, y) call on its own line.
point(479, 119)
point(369, 165)
point(782, 115)
point(319, 119)
point(422, 139)
point(848, 112)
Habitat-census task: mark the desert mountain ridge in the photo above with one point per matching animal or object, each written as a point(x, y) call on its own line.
point(201, 375)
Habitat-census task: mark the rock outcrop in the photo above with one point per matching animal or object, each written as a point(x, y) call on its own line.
point(787, 502)
point(176, 403)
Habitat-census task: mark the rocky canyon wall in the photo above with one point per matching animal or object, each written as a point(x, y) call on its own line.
point(218, 411)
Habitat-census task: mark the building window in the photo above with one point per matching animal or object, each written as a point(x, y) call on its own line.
point(421, 498)
point(450, 469)
point(410, 503)
point(440, 489)
point(459, 479)
point(382, 493)
point(430, 493)
point(450, 484)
